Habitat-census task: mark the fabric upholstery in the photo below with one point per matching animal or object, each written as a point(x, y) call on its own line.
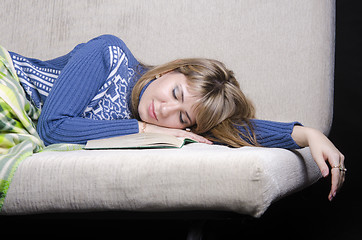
point(196, 177)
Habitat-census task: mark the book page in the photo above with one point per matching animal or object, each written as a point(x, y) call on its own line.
point(139, 140)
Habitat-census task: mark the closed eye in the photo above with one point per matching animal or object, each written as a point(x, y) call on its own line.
point(174, 93)
point(181, 119)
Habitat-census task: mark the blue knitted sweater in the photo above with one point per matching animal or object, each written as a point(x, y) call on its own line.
point(86, 95)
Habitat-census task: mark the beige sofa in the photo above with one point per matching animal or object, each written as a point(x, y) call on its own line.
point(282, 52)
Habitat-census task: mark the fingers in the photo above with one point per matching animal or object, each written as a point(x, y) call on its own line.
point(321, 162)
point(338, 174)
point(175, 132)
point(335, 160)
point(197, 137)
point(188, 134)
point(335, 182)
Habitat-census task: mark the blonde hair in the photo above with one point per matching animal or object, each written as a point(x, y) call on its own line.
point(221, 106)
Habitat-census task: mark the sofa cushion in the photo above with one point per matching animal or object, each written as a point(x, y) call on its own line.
point(196, 177)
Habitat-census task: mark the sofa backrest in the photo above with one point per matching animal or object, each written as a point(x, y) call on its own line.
point(281, 51)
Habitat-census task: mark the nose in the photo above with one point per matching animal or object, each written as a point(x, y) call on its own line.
point(169, 108)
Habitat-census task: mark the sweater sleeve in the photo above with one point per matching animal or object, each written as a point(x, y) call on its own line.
point(273, 134)
point(61, 118)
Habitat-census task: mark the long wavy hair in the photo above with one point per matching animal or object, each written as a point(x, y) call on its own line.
point(222, 107)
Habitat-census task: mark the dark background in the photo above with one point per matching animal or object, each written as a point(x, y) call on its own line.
point(304, 215)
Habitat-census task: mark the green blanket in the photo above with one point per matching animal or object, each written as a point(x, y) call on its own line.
point(18, 136)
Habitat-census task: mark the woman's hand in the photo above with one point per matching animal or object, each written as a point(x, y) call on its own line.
point(171, 131)
point(322, 150)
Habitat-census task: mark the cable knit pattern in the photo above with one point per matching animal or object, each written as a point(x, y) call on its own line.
point(84, 72)
point(274, 134)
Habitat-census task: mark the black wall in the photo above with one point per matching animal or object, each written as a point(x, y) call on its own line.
point(347, 126)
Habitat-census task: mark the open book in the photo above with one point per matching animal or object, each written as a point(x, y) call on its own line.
point(137, 141)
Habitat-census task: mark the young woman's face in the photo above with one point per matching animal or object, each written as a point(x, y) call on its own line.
point(167, 102)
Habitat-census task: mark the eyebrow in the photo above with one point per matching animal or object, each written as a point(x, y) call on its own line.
point(183, 99)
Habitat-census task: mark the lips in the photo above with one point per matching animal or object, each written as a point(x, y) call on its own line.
point(151, 111)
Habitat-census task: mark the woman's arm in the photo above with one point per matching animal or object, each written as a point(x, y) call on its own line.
point(322, 150)
point(271, 134)
point(268, 133)
point(61, 118)
point(293, 136)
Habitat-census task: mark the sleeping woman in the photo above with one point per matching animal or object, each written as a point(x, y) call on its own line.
point(101, 90)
